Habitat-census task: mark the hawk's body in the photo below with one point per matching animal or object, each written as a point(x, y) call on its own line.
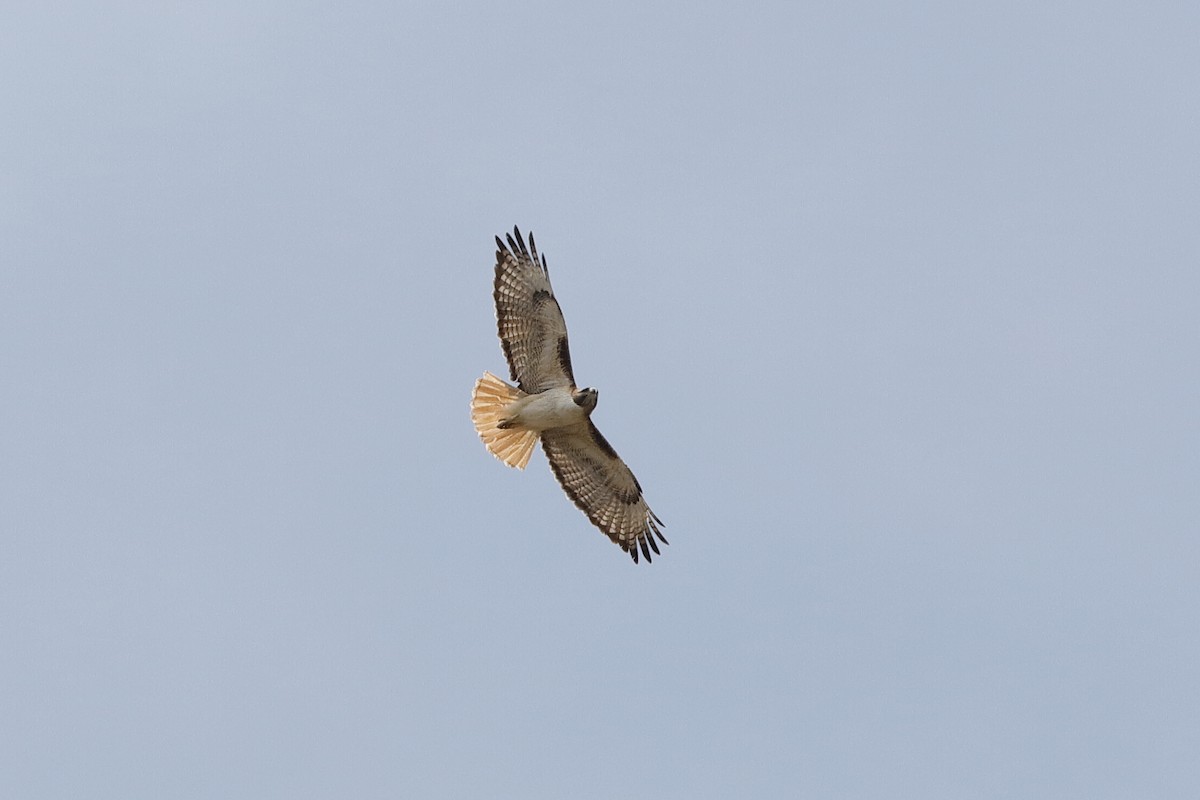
point(545, 404)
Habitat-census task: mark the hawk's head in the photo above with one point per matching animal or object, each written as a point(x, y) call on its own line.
point(586, 398)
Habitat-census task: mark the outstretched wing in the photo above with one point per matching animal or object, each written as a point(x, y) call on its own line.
point(599, 482)
point(532, 331)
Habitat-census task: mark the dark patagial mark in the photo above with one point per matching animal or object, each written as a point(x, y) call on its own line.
point(603, 444)
point(564, 358)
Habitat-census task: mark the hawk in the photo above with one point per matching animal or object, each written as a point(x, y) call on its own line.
point(547, 405)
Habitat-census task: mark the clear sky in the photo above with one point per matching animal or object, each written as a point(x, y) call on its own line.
point(894, 309)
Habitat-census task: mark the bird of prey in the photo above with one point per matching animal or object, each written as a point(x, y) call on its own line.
point(547, 405)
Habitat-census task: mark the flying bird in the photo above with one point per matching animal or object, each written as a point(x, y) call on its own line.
point(546, 405)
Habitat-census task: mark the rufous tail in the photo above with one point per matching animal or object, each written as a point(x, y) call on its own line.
point(489, 402)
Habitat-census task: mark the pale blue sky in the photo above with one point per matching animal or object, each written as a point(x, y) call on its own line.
point(894, 309)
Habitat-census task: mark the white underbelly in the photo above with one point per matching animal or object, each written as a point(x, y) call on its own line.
point(553, 408)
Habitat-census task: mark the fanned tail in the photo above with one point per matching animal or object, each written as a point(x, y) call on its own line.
point(489, 402)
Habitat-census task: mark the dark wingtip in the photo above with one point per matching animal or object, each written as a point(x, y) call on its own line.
point(654, 523)
point(516, 246)
point(519, 245)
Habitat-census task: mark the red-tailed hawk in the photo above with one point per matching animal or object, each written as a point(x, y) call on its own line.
point(545, 404)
